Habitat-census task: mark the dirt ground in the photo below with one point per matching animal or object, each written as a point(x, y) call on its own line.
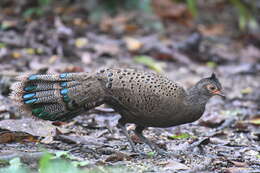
point(225, 139)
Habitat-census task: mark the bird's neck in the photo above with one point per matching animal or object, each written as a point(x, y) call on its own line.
point(195, 102)
point(194, 96)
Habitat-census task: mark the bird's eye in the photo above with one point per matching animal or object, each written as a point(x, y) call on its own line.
point(211, 87)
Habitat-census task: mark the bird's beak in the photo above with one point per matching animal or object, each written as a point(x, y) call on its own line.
point(220, 93)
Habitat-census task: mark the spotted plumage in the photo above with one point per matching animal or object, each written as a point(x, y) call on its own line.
point(143, 98)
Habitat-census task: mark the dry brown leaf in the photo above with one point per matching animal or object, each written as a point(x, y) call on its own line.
point(239, 164)
point(133, 44)
point(73, 68)
point(240, 125)
point(59, 123)
point(16, 55)
point(118, 156)
point(8, 137)
point(136, 139)
point(117, 23)
point(168, 9)
point(79, 22)
point(131, 28)
point(212, 121)
point(31, 126)
point(212, 30)
point(8, 24)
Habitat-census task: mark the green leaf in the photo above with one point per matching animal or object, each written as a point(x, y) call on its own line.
point(145, 5)
point(232, 112)
point(33, 11)
point(30, 51)
point(180, 136)
point(59, 165)
point(151, 154)
point(49, 164)
point(149, 62)
point(2, 45)
point(44, 2)
point(247, 90)
point(211, 64)
point(192, 6)
point(242, 22)
point(45, 162)
point(245, 15)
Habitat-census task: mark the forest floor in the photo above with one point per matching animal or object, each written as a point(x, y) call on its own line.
point(225, 139)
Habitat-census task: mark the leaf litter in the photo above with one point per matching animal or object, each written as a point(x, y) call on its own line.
point(225, 139)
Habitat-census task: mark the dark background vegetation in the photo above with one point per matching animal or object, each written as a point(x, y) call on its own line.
point(182, 39)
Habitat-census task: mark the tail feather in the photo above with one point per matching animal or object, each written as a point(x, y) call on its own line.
point(53, 77)
point(56, 96)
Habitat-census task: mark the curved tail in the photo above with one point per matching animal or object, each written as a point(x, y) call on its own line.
point(57, 97)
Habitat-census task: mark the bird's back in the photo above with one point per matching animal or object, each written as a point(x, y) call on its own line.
point(141, 96)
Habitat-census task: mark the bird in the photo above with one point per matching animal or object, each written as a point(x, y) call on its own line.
point(143, 98)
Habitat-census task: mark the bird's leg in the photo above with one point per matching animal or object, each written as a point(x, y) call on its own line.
point(121, 124)
point(139, 132)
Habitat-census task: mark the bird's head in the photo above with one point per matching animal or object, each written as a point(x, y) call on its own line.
point(210, 86)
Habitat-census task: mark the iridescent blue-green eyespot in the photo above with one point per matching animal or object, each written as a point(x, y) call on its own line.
point(63, 75)
point(63, 84)
point(36, 111)
point(64, 91)
point(43, 114)
point(30, 88)
point(30, 101)
point(33, 77)
point(27, 96)
point(66, 98)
